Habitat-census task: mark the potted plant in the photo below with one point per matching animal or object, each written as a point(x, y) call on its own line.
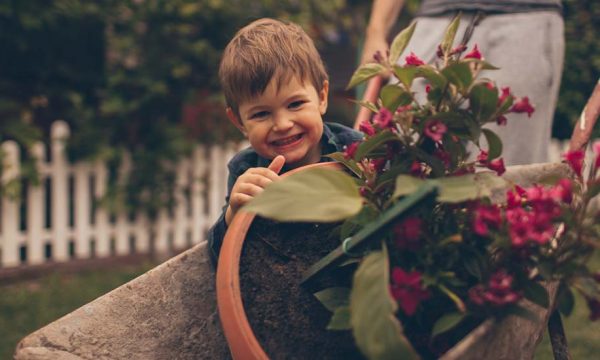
point(425, 249)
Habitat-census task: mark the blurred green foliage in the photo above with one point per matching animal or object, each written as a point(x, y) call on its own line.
point(138, 75)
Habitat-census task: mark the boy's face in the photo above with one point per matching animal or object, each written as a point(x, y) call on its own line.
point(285, 121)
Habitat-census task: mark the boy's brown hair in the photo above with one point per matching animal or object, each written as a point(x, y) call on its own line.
point(267, 49)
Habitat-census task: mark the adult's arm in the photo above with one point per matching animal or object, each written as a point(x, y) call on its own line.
point(384, 14)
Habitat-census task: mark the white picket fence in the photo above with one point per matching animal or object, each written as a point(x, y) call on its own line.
point(61, 222)
point(58, 221)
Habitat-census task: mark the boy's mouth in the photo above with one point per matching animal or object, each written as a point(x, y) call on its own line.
point(287, 140)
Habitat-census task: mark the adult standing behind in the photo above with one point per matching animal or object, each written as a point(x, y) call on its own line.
point(524, 38)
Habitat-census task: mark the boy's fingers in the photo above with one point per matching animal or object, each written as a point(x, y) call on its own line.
point(277, 164)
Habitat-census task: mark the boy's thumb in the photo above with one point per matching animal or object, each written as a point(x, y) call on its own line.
point(277, 164)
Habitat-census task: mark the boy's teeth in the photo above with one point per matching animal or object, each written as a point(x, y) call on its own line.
point(287, 140)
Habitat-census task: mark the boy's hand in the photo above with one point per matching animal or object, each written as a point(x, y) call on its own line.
point(250, 184)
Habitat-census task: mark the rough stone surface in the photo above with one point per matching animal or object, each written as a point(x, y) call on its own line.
point(168, 313)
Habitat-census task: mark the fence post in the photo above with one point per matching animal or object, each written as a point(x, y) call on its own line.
point(198, 201)
point(59, 169)
point(10, 207)
point(35, 210)
point(83, 210)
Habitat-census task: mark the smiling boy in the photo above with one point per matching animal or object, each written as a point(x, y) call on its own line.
point(276, 88)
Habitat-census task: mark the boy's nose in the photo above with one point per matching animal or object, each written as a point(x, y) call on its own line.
point(282, 122)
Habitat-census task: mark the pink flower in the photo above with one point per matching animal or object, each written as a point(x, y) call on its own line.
point(351, 150)
point(513, 199)
point(486, 216)
point(378, 164)
point(474, 54)
point(563, 191)
point(367, 128)
point(482, 158)
point(407, 289)
point(407, 233)
point(383, 118)
point(523, 106)
point(575, 159)
point(497, 165)
point(504, 95)
point(497, 292)
point(416, 169)
point(427, 88)
point(435, 129)
point(413, 60)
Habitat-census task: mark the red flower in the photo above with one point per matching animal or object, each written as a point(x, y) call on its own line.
point(486, 216)
point(474, 54)
point(367, 128)
point(497, 165)
point(378, 164)
point(523, 106)
point(513, 199)
point(351, 150)
point(413, 60)
point(435, 129)
point(416, 169)
point(427, 88)
point(575, 159)
point(407, 233)
point(407, 289)
point(383, 118)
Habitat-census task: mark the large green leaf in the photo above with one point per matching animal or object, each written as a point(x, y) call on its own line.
point(364, 73)
point(406, 185)
point(406, 75)
point(400, 41)
point(349, 163)
point(377, 331)
point(435, 77)
point(537, 294)
point(316, 194)
point(447, 322)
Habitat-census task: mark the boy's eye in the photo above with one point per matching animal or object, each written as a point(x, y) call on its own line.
point(258, 115)
point(296, 104)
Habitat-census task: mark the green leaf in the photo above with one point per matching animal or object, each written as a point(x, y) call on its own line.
point(457, 189)
point(537, 294)
point(334, 297)
point(460, 305)
point(316, 194)
point(393, 96)
point(447, 322)
point(494, 144)
point(364, 73)
point(436, 79)
point(450, 34)
point(483, 102)
point(340, 320)
point(406, 75)
point(349, 163)
point(566, 299)
point(369, 105)
point(460, 75)
point(484, 64)
point(406, 185)
point(400, 42)
point(373, 143)
point(377, 331)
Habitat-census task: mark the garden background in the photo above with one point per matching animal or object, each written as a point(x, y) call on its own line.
point(141, 76)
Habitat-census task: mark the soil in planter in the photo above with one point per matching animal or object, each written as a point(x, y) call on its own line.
point(288, 321)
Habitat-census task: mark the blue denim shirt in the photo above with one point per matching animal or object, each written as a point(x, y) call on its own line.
point(335, 137)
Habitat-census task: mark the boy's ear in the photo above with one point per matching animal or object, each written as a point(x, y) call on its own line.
point(235, 120)
point(323, 97)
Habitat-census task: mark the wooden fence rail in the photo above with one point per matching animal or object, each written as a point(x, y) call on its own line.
point(59, 220)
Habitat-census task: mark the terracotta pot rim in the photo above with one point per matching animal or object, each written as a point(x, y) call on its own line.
point(242, 342)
